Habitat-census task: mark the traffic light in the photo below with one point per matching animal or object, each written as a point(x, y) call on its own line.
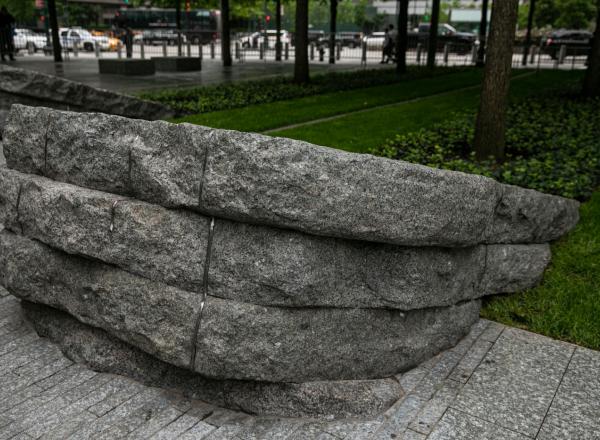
point(268, 19)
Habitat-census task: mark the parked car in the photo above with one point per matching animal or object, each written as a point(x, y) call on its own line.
point(460, 42)
point(114, 43)
point(26, 39)
point(344, 39)
point(83, 39)
point(375, 40)
point(253, 40)
point(577, 42)
point(158, 36)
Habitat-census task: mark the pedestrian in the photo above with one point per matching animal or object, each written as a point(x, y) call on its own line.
point(384, 48)
point(7, 29)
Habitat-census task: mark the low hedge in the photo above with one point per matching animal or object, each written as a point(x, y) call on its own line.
point(241, 94)
point(552, 145)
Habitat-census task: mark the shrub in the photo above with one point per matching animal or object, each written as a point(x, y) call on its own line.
point(240, 94)
point(552, 145)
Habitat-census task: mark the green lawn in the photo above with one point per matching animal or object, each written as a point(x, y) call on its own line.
point(362, 131)
point(263, 117)
point(567, 304)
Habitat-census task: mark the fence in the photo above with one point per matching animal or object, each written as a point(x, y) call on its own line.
point(366, 52)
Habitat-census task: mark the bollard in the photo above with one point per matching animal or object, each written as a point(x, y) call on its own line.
point(75, 49)
point(164, 47)
point(237, 50)
point(261, 51)
point(97, 50)
point(322, 53)
point(363, 58)
point(446, 53)
point(200, 50)
point(30, 50)
point(562, 54)
point(179, 45)
point(119, 52)
point(338, 53)
point(419, 51)
point(312, 51)
point(474, 51)
point(142, 50)
point(287, 51)
point(534, 50)
point(189, 49)
point(212, 50)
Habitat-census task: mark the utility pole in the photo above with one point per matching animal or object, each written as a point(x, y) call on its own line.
point(278, 27)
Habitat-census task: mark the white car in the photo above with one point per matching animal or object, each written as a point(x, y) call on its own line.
point(375, 40)
point(69, 37)
point(26, 39)
point(254, 40)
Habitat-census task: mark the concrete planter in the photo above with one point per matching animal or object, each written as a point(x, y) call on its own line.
point(177, 64)
point(129, 67)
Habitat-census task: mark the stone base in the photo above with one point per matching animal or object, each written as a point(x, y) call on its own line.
point(177, 64)
point(127, 67)
point(102, 352)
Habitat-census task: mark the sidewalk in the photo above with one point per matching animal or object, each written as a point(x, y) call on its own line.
point(497, 383)
point(85, 70)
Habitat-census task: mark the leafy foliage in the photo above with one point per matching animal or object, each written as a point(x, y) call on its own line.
point(553, 145)
point(241, 94)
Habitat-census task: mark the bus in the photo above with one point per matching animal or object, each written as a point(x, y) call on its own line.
point(198, 25)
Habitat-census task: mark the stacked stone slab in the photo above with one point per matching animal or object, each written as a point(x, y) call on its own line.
point(267, 265)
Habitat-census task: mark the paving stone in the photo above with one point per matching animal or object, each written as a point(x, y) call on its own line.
point(409, 434)
point(82, 396)
point(465, 343)
point(492, 332)
point(222, 416)
point(198, 431)
point(72, 375)
point(126, 409)
point(458, 425)
point(3, 292)
point(123, 392)
point(462, 372)
point(267, 428)
point(14, 334)
point(29, 374)
point(310, 430)
point(399, 416)
point(10, 400)
point(433, 410)
point(515, 383)
point(351, 430)
point(434, 380)
point(154, 424)
point(24, 338)
point(125, 425)
point(575, 410)
point(175, 428)
point(411, 379)
point(67, 426)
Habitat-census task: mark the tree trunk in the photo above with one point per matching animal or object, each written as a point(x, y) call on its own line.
point(278, 27)
point(491, 119)
point(333, 6)
point(225, 34)
point(301, 43)
point(483, 24)
point(591, 82)
point(433, 31)
point(56, 48)
point(402, 37)
point(528, 34)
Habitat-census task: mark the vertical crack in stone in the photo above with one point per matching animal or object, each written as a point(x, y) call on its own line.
point(204, 293)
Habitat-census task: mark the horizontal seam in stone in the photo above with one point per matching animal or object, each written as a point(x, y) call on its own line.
point(198, 322)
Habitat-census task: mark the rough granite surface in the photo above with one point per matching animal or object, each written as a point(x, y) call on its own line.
point(259, 264)
point(52, 90)
point(103, 352)
point(283, 182)
point(235, 340)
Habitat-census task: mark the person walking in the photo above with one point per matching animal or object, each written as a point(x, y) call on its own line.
point(384, 48)
point(7, 24)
